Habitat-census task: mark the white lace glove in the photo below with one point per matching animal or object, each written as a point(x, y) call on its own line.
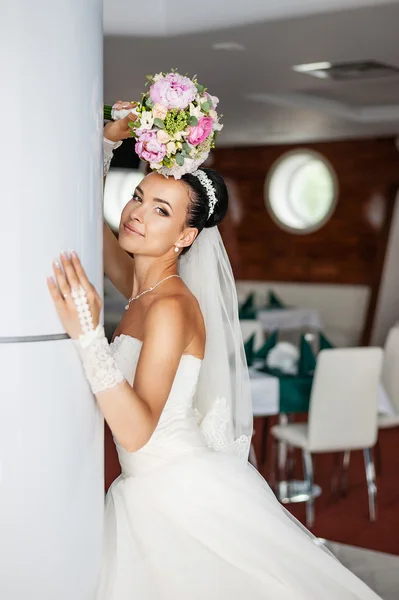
point(99, 364)
point(108, 152)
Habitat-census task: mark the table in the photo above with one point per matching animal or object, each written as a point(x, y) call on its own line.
point(289, 318)
point(267, 390)
point(264, 393)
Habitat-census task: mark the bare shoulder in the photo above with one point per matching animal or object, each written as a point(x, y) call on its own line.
point(176, 316)
point(171, 307)
point(171, 310)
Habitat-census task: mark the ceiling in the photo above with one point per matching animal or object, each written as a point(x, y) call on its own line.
point(262, 99)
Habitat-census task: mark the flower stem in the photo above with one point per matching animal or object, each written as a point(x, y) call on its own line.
point(107, 112)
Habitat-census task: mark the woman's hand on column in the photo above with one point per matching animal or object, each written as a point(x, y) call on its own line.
point(116, 131)
point(76, 299)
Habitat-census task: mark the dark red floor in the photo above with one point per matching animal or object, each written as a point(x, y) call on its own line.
point(345, 520)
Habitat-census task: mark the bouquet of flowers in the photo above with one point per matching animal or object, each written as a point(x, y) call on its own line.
point(177, 124)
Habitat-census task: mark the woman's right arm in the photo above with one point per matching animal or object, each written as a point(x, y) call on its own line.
point(118, 264)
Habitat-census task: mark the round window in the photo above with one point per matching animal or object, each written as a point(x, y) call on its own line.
point(301, 191)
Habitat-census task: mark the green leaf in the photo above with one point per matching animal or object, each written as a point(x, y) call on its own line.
point(149, 102)
point(206, 106)
point(200, 88)
point(133, 124)
point(193, 121)
point(187, 147)
point(179, 159)
point(149, 77)
point(159, 123)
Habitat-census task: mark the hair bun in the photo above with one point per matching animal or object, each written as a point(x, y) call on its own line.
point(198, 210)
point(220, 208)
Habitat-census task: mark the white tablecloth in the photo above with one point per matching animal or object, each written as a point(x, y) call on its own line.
point(289, 318)
point(265, 395)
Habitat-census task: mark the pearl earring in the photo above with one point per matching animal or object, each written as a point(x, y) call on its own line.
point(176, 249)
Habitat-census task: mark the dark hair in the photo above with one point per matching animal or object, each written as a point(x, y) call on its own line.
point(198, 210)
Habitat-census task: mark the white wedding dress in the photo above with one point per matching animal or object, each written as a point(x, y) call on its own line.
point(183, 522)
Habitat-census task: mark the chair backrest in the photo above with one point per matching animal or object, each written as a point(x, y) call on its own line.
point(344, 399)
point(390, 367)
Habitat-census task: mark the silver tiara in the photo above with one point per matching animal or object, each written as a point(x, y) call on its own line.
point(210, 190)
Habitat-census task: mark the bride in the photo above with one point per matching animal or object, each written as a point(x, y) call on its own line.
point(188, 518)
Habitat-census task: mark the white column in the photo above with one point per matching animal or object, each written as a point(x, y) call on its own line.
point(387, 311)
point(51, 462)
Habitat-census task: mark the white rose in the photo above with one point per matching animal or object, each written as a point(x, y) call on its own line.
point(158, 77)
point(195, 111)
point(146, 120)
point(179, 145)
point(213, 114)
point(178, 135)
point(217, 126)
point(170, 147)
point(155, 166)
point(159, 111)
point(163, 136)
point(214, 100)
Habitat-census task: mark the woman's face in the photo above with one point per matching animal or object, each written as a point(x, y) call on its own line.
point(153, 221)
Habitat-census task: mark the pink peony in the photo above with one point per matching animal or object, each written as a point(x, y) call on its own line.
point(200, 132)
point(149, 147)
point(173, 91)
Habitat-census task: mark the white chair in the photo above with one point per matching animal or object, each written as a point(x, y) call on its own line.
point(390, 383)
point(390, 378)
point(342, 414)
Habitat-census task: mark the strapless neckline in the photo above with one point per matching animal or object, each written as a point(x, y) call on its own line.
point(140, 342)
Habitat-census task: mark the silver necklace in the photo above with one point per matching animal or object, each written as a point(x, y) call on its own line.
point(149, 290)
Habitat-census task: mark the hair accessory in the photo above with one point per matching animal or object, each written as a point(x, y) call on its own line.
point(176, 125)
point(210, 190)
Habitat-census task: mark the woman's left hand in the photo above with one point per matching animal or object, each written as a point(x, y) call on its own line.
point(69, 276)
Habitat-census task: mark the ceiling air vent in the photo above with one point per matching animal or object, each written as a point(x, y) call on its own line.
point(348, 71)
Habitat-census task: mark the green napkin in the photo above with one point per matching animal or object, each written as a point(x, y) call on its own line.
point(324, 342)
point(274, 301)
point(307, 360)
point(247, 314)
point(249, 350)
point(294, 390)
point(247, 309)
point(295, 394)
point(267, 346)
point(248, 304)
